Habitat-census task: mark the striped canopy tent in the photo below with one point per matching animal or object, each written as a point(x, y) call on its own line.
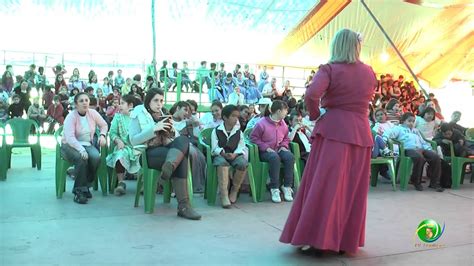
point(435, 38)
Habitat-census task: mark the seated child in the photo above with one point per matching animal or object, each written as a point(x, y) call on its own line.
point(244, 117)
point(270, 134)
point(381, 125)
point(393, 111)
point(300, 134)
point(36, 112)
point(447, 134)
point(16, 108)
point(263, 104)
point(236, 97)
point(113, 109)
point(55, 114)
point(122, 158)
point(418, 150)
point(227, 146)
point(427, 123)
point(455, 118)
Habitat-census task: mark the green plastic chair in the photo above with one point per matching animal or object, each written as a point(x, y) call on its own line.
point(295, 149)
point(211, 181)
point(21, 129)
point(256, 166)
point(102, 172)
point(405, 163)
point(62, 165)
point(457, 167)
point(3, 154)
point(148, 179)
point(262, 168)
point(112, 174)
point(374, 168)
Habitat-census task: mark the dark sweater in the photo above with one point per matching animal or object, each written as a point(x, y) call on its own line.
point(15, 110)
point(229, 145)
point(455, 138)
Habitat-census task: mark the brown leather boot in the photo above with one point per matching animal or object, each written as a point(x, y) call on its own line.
point(223, 183)
point(185, 210)
point(239, 177)
point(173, 159)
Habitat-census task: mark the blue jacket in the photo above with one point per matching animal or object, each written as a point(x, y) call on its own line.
point(411, 138)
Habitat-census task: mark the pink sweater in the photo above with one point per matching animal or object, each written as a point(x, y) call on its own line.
point(268, 134)
point(72, 125)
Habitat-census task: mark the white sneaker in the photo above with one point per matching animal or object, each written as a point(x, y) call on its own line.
point(287, 193)
point(275, 195)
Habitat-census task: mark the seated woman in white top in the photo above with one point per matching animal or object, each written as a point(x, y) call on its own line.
point(79, 130)
point(151, 127)
point(214, 118)
point(236, 97)
point(381, 122)
point(184, 123)
point(300, 134)
point(263, 104)
point(427, 123)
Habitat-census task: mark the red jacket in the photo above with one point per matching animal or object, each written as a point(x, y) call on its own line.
point(56, 113)
point(58, 85)
point(345, 91)
point(48, 99)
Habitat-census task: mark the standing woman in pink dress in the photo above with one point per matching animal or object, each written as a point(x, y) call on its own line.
point(330, 207)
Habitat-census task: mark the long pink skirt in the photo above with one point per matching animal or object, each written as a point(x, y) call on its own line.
point(331, 204)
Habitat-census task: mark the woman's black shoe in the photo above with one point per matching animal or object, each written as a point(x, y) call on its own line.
point(419, 187)
point(310, 251)
point(88, 194)
point(438, 188)
point(80, 198)
point(341, 252)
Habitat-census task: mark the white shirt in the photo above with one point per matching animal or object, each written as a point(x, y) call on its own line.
point(208, 121)
point(267, 89)
point(236, 99)
point(84, 136)
point(382, 127)
point(427, 128)
point(216, 150)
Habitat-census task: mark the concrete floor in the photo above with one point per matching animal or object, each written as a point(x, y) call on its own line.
point(37, 229)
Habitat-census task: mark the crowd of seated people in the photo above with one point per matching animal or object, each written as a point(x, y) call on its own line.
point(398, 111)
point(240, 103)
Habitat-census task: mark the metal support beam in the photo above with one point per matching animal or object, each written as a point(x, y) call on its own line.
point(393, 45)
point(154, 37)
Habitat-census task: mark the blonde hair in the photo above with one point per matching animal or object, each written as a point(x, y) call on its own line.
point(345, 47)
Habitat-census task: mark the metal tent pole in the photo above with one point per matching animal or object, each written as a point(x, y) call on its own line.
point(393, 45)
point(154, 36)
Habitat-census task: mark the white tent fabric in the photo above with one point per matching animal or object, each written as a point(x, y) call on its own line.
point(437, 41)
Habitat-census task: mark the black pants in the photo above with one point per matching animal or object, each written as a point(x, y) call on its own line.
point(85, 171)
point(419, 158)
point(156, 156)
point(459, 150)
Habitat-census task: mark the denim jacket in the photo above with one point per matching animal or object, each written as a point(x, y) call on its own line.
point(411, 138)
